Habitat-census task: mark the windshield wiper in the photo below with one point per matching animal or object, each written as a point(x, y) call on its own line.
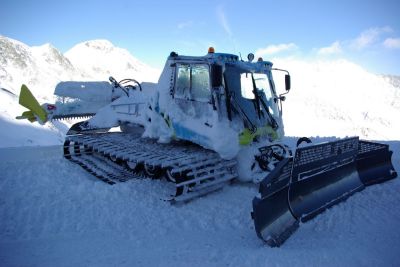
point(274, 124)
point(256, 97)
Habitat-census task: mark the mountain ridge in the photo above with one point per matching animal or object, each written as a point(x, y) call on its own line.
point(329, 98)
point(41, 68)
point(44, 66)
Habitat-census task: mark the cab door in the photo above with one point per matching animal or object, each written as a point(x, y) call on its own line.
point(195, 116)
point(192, 91)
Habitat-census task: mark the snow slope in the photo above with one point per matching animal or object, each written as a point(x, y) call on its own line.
point(52, 213)
point(16, 133)
point(340, 98)
point(41, 68)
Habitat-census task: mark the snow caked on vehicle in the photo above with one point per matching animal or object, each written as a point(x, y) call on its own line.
point(210, 120)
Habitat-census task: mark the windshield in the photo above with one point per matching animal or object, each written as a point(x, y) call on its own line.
point(263, 85)
point(253, 93)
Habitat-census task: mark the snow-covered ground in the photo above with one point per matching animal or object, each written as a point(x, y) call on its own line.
point(53, 213)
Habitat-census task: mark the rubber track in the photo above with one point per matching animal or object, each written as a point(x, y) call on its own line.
point(197, 171)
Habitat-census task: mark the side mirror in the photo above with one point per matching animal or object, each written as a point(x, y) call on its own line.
point(216, 75)
point(287, 82)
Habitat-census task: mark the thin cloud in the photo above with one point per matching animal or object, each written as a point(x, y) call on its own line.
point(223, 20)
point(365, 40)
point(275, 49)
point(185, 24)
point(335, 48)
point(369, 37)
point(392, 43)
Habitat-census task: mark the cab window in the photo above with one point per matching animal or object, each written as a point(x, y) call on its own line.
point(193, 82)
point(182, 81)
point(246, 85)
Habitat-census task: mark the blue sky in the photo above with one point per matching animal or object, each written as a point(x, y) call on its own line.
point(366, 32)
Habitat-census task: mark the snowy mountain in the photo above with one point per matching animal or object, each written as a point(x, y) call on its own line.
point(328, 98)
point(41, 68)
point(340, 98)
point(392, 79)
point(100, 58)
point(48, 55)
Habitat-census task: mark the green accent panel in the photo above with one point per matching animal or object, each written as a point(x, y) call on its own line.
point(27, 115)
point(246, 137)
point(27, 100)
point(267, 130)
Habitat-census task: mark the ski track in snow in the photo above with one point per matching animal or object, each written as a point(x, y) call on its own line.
point(53, 213)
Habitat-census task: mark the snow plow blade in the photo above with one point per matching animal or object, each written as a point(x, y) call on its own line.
point(316, 178)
